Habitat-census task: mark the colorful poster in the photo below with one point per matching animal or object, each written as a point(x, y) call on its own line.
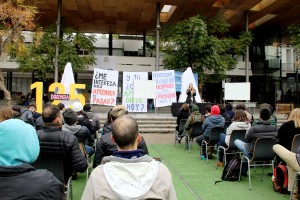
point(186, 79)
point(133, 104)
point(178, 82)
point(165, 87)
point(104, 87)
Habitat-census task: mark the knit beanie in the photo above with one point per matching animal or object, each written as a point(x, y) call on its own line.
point(215, 110)
point(77, 107)
point(18, 143)
point(118, 111)
point(70, 116)
point(195, 108)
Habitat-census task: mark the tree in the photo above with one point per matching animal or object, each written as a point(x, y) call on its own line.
point(74, 47)
point(203, 46)
point(15, 16)
point(294, 31)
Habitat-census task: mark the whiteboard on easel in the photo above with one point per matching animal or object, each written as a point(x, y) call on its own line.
point(237, 91)
point(144, 89)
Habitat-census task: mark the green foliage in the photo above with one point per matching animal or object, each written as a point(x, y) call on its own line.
point(294, 31)
point(203, 46)
point(40, 54)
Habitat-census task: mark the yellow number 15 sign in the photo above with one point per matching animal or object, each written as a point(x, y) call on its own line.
point(61, 90)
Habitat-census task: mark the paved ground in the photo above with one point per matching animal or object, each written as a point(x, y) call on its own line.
point(157, 138)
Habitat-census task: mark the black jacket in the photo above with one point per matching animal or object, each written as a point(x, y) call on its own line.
point(82, 133)
point(286, 134)
point(105, 147)
point(24, 182)
point(53, 139)
point(183, 114)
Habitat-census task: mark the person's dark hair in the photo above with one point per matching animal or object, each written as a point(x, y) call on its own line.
point(228, 106)
point(266, 105)
point(50, 113)
point(124, 130)
point(208, 108)
point(240, 106)
point(265, 113)
point(87, 107)
point(108, 120)
point(240, 116)
point(222, 109)
point(16, 108)
point(61, 106)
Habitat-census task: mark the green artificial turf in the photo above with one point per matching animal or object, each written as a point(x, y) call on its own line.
point(195, 179)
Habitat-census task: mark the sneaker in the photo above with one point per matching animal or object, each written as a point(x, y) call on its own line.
point(203, 157)
point(220, 164)
point(179, 139)
point(295, 196)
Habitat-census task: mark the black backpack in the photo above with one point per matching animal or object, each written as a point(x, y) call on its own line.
point(231, 170)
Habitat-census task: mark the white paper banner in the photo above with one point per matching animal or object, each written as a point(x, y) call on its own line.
point(104, 87)
point(133, 104)
point(165, 87)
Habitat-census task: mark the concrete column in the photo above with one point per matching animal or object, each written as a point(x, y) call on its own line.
point(59, 3)
point(144, 44)
point(110, 44)
point(157, 36)
point(247, 50)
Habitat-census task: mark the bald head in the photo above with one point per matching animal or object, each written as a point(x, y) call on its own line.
point(125, 131)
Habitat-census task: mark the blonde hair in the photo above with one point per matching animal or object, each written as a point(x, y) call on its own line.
point(5, 113)
point(295, 116)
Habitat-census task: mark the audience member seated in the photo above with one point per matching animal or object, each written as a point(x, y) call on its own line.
point(224, 114)
point(239, 122)
point(243, 107)
point(83, 119)
point(93, 118)
point(263, 129)
point(195, 116)
point(107, 125)
point(53, 138)
point(213, 120)
point(229, 110)
point(105, 146)
point(19, 146)
point(184, 113)
point(273, 118)
point(207, 110)
point(5, 113)
point(129, 174)
point(293, 161)
point(16, 112)
point(27, 114)
point(82, 133)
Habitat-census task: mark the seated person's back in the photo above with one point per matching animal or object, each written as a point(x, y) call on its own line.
point(18, 179)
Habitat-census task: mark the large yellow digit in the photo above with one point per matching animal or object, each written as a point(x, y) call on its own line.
point(38, 95)
point(74, 96)
point(61, 90)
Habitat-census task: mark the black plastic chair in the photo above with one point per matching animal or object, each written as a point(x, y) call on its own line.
point(196, 131)
point(213, 139)
point(232, 149)
point(181, 129)
point(226, 125)
point(53, 162)
point(263, 155)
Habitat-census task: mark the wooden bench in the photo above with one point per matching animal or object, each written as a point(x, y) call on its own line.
point(284, 108)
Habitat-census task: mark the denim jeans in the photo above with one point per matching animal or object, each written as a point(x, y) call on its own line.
point(241, 146)
point(89, 150)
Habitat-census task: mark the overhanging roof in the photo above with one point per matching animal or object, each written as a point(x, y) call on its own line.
point(139, 16)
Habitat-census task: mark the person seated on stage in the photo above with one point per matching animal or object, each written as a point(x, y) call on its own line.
point(213, 120)
point(229, 110)
point(184, 113)
point(207, 110)
point(105, 146)
point(273, 118)
point(191, 93)
point(293, 165)
point(19, 146)
point(263, 129)
point(128, 174)
point(243, 107)
point(195, 116)
point(239, 122)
